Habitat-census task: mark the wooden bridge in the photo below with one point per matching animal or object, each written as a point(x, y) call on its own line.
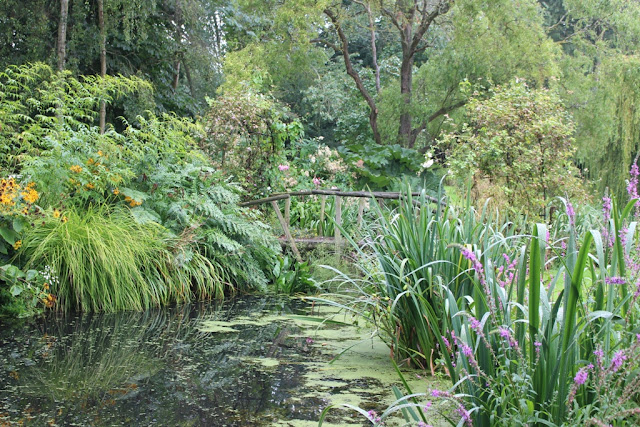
point(338, 195)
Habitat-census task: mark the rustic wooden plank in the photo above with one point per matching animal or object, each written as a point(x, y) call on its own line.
point(287, 211)
point(368, 194)
point(265, 200)
point(323, 205)
point(360, 212)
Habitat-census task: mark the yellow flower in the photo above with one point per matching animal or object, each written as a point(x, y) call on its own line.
point(99, 152)
point(30, 195)
point(17, 245)
point(56, 213)
point(75, 168)
point(116, 191)
point(90, 186)
point(46, 286)
point(64, 219)
point(90, 161)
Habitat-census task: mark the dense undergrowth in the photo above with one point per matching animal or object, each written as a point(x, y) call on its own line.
point(120, 220)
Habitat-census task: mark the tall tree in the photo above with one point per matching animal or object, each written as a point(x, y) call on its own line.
point(412, 20)
point(103, 61)
point(62, 34)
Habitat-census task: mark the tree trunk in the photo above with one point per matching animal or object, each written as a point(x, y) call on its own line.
point(179, 22)
point(373, 114)
point(103, 62)
point(62, 34)
point(406, 81)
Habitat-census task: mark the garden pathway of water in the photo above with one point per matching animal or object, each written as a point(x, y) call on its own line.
point(248, 361)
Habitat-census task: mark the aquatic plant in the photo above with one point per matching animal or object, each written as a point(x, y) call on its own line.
point(410, 251)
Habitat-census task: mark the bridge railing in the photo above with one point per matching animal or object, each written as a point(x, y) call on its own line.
point(285, 219)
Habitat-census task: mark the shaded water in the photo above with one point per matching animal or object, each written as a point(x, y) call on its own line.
point(250, 361)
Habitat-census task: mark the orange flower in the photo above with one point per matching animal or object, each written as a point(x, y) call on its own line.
point(90, 186)
point(116, 191)
point(17, 245)
point(75, 168)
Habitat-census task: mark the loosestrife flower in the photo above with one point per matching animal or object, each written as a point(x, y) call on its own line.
point(614, 280)
point(538, 346)
point(283, 168)
point(316, 181)
point(571, 214)
point(618, 359)
point(479, 269)
point(632, 186)
point(582, 375)
point(466, 350)
point(475, 324)
point(373, 417)
point(606, 208)
point(466, 416)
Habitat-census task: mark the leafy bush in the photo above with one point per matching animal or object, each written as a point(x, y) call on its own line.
point(246, 136)
point(293, 277)
point(517, 147)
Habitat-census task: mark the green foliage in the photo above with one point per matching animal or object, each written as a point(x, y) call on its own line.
point(292, 277)
point(517, 147)
point(99, 259)
point(246, 137)
point(409, 254)
point(543, 332)
point(188, 237)
point(40, 109)
point(23, 293)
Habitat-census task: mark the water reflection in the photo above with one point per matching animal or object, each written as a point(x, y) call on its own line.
point(153, 368)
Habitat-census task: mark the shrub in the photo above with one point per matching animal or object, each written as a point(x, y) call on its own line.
point(517, 146)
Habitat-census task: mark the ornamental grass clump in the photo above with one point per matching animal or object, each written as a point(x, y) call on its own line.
point(105, 260)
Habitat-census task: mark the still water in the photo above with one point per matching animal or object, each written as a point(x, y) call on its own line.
point(249, 361)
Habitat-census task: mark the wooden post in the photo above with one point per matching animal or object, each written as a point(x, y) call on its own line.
point(361, 211)
point(338, 234)
point(287, 233)
point(287, 211)
point(323, 205)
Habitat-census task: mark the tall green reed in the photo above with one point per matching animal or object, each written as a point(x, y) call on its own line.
point(410, 250)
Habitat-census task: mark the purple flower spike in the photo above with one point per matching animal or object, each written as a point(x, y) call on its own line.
point(614, 280)
point(571, 214)
point(606, 208)
point(581, 377)
point(618, 360)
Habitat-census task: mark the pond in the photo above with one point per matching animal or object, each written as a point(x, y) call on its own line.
point(248, 361)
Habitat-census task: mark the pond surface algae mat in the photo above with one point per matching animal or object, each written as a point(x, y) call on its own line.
point(249, 361)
